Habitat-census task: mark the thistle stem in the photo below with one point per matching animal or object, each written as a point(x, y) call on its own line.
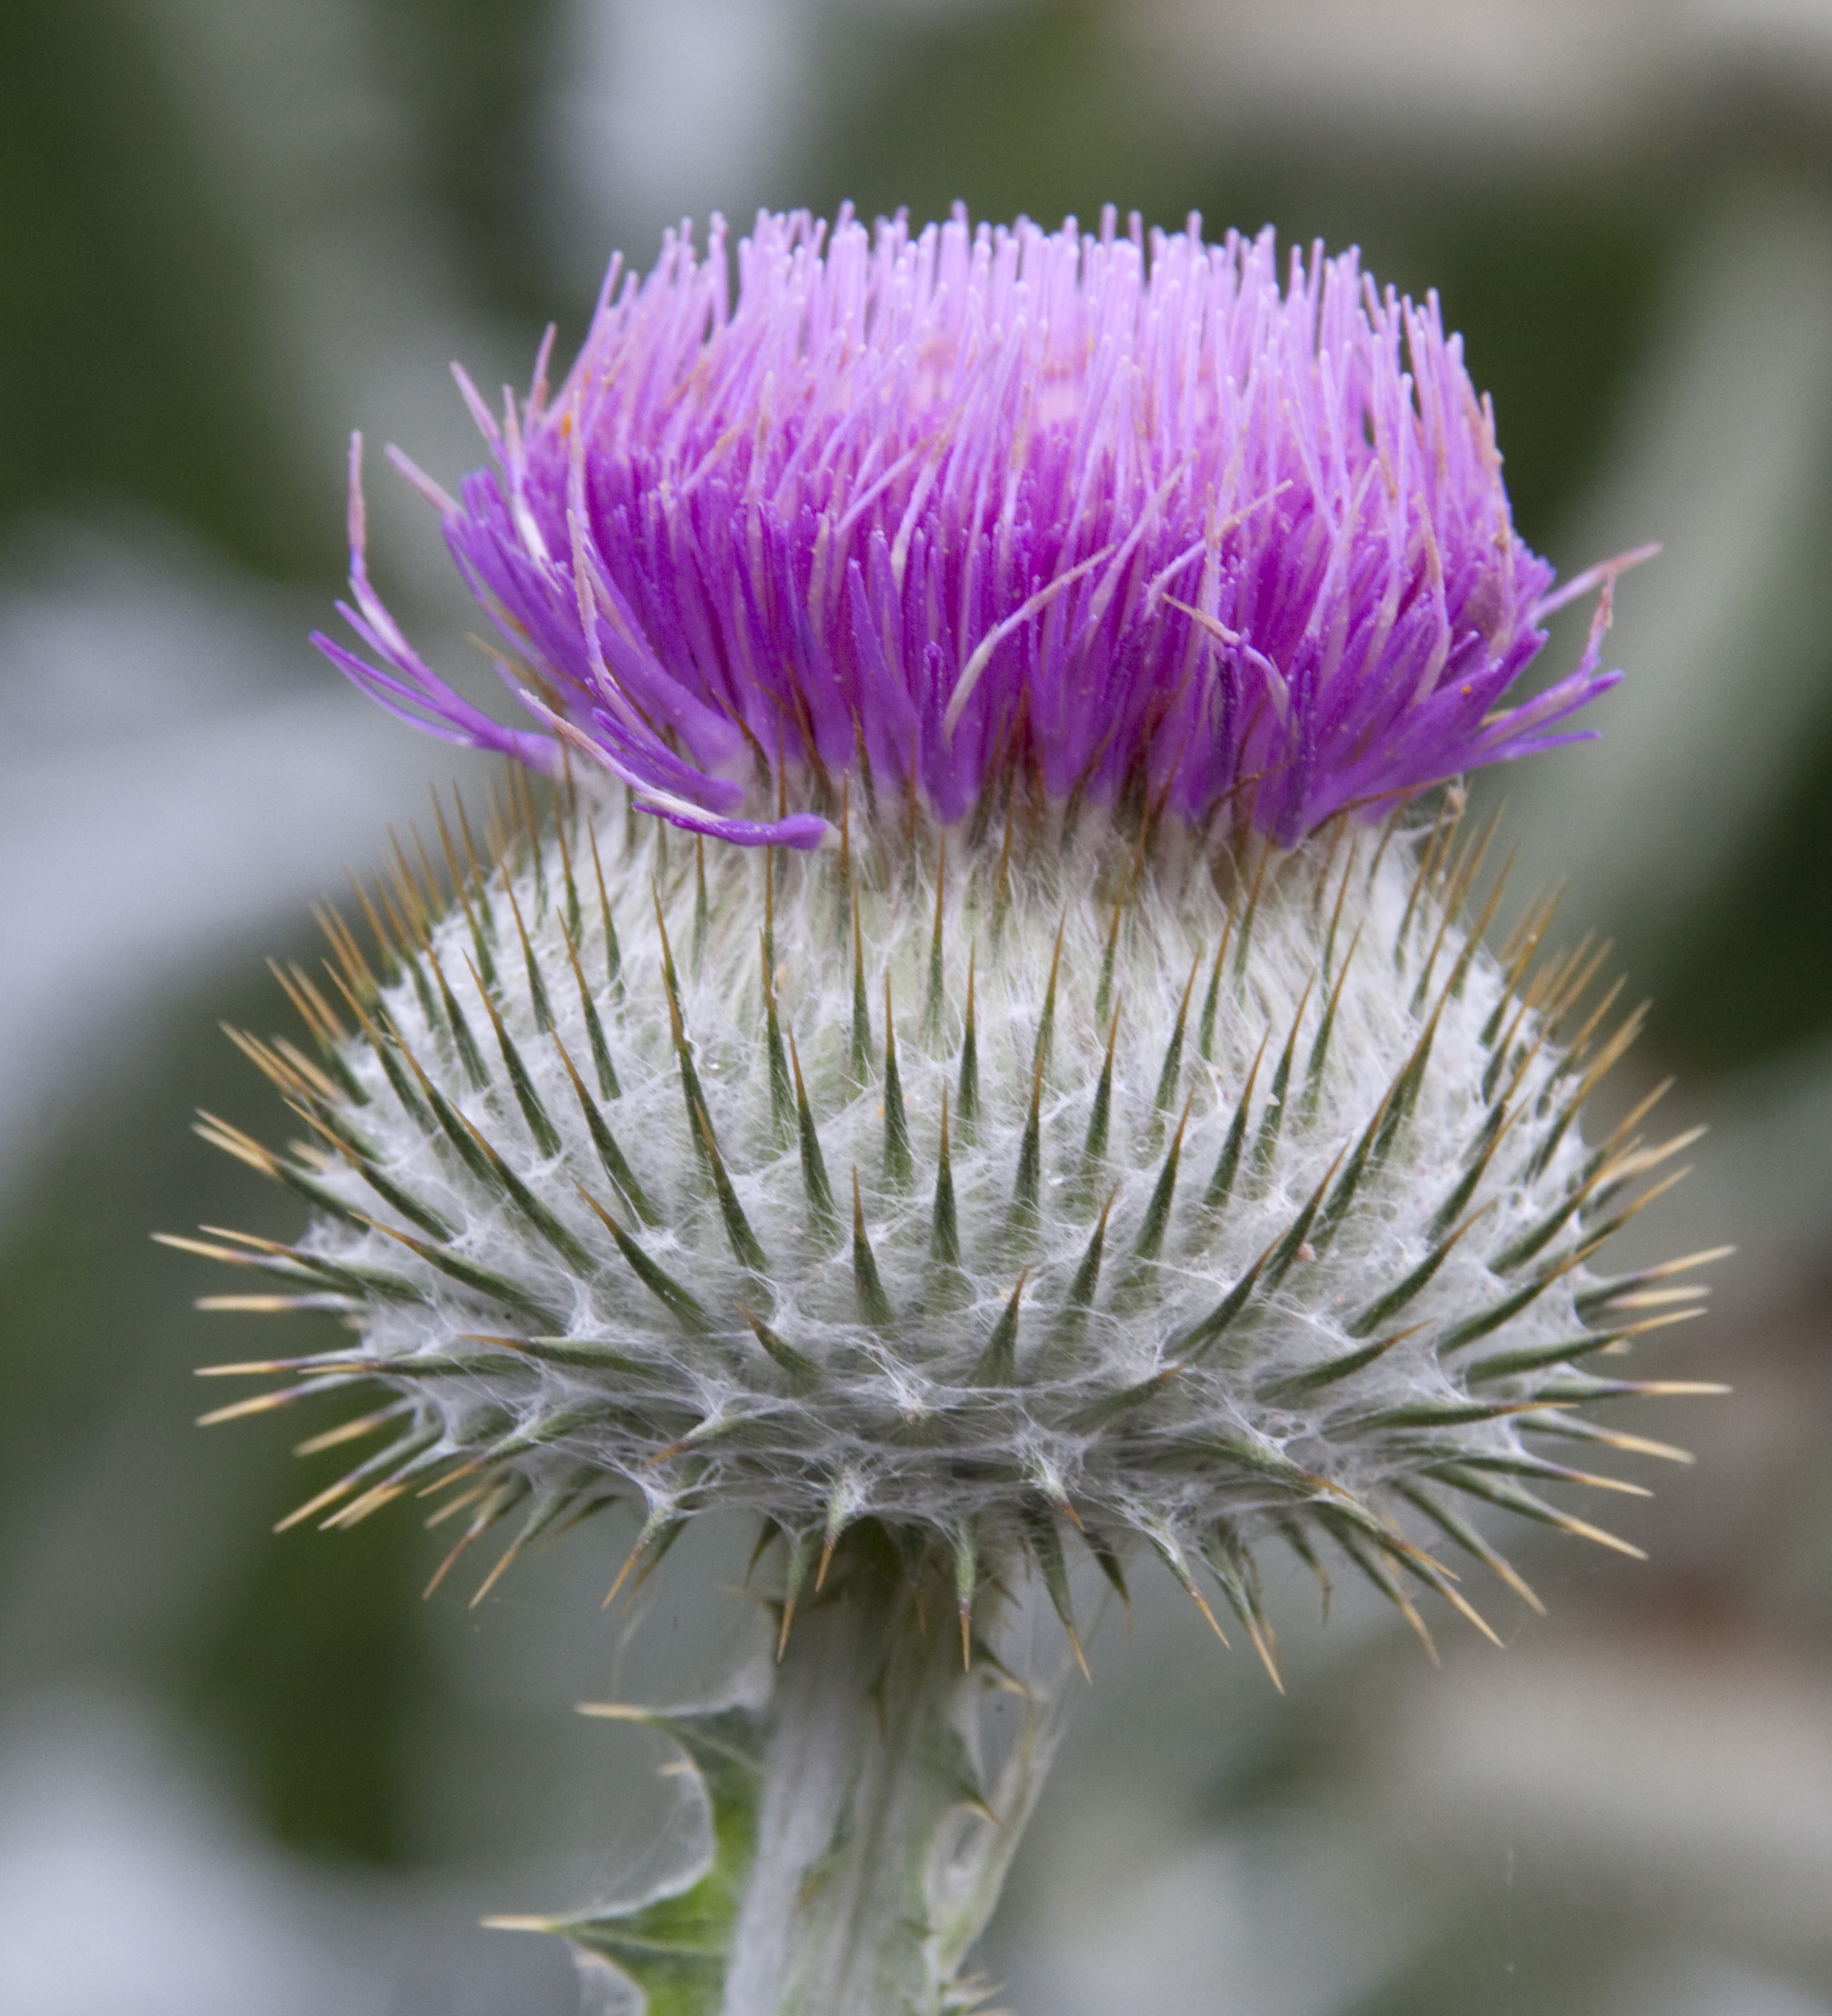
point(877, 1862)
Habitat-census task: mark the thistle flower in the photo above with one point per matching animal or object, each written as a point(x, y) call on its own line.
point(1055, 1100)
point(941, 507)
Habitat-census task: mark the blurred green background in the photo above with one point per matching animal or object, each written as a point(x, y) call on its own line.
point(253, 1775)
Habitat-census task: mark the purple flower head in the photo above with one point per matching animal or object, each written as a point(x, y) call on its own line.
point(1121, 510)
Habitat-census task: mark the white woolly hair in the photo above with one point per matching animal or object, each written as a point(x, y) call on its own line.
point(988, 1188)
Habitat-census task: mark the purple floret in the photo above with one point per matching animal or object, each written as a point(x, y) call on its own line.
point(1121, 509)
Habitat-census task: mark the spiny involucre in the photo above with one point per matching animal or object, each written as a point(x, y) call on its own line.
point(1055, 1093)
point(993, 1200)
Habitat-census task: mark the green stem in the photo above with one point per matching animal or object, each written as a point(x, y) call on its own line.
point(857, 1851)
point(857, 1905)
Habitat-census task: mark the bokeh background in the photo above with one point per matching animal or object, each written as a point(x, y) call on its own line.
point(243, 1775)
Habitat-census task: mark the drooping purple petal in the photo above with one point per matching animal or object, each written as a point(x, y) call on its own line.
point(1126, 510)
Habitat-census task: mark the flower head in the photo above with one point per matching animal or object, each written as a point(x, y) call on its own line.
point(1132, 513)
point(1118, 1124)
point(1120, 1136)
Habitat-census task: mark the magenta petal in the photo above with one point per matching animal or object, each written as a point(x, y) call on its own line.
point(1138, 511)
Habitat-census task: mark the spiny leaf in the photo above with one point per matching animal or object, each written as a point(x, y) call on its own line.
point(391, 1054)
point(660, 1531)
point(1111, 1407)
point(1567, 1112)
point(1520, 1462)
point(1403, 1092)
point(1446, 1414)
point(481, 942)
point(1498, 1491)
point(1603, 1294)
point(1344, 1366)
point(327, 1032)
point(967, 1099)
point(744, 1246)
point(997, 1363)
point(874, 1304)
point(1026, 1190)
point(1576, 1389)
point(373, 1282)
point(463, 1040)
point(1292, 1246)
point(683, 1050)
point(574, 919)
point(966, 1544)
point(1541, 1234)
point(1368, 1555)
point(1494, 1129)
point(859, 1057)
point(1479, 1325)
point(537, 1214)
point(1266, 1145)
point(701, 915)
point(1455, 1527)
point(416, 1442)
point(813, 1167)
point(393, 945)
point(1171, 1069)
point(932, 1000)
point(498, 1502)
point(546, 1515)
point(1232, 1566)
point(801, 1369)
point(795, 1567)
point(496, 1288)
point(1197, 1341)
point(1094, 1146)
point(462, 1138)
point(1165, 1544)
point(1151, 1239)
point(842, 1506)
point(1335, 1212)
point(1403, 1292)
point(1319, 1046)
point(546, 1134)
point(353, 1430)
point(613, 953)
point(1244, 941)
point(1104, 990)
point(1205, 1023)
point(414, 1210)
point(1535, 1358)
point(576, 1352)
point(283, 1396)
point(899, 1165)
point(219, 1134)
point(1046, 1022)
point(660, 1283)
point(1574, 1428)
point(1109, 1562)
point(608, 1085)
point(674, 1946)
point(610, 1155)
point(782, 1099)
point(944, 1236)
point(536, 981)
point(1046, 1544)
point(546, 1428)
point(1081, 1289)
point(354, 976)
point(1228, 1163)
